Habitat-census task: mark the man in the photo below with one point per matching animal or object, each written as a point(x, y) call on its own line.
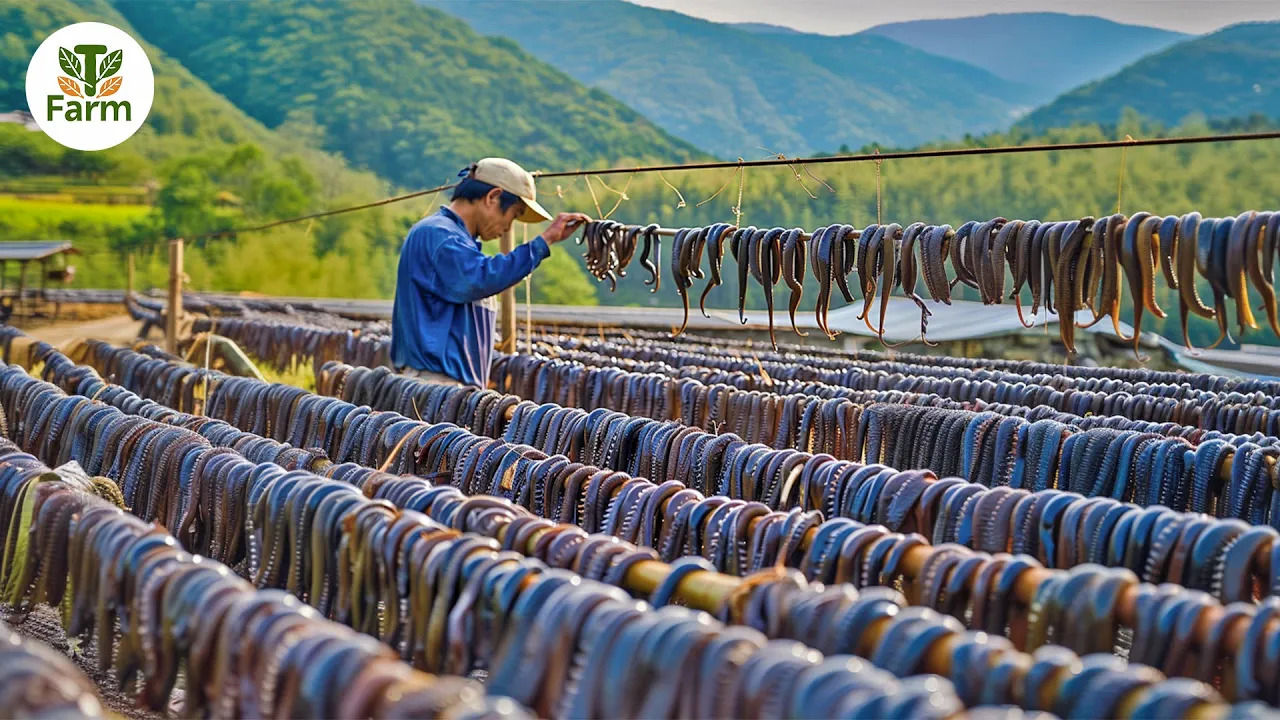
point(443, 317)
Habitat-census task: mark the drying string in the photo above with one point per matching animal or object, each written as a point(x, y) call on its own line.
point(795, 170)
point(742, 183)
point(594, 199)
point(622, 195)
point(716, 194)
point(674, 189)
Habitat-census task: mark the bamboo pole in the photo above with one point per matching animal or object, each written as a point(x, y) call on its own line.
point(174, 309)
point(507, 303)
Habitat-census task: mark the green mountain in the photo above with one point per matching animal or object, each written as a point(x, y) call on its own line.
point(186, 116)
point(1228, 74)
point(406, 91)
point(1049, 52)
point(735, 91)
point(198, 164)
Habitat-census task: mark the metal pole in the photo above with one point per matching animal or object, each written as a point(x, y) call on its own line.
point(175, 296)
point(507, 303)
point(22, 287)
point(128, 276)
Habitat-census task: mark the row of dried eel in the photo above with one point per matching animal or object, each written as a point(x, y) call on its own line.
point(245, 653)
point(835, 357)
point(870, 493)
point(706, 404)
point(1158, 472)
point(477, 606)
point(711, 364)
point(1065, 266)
point(1159, 469)
point(797, 611)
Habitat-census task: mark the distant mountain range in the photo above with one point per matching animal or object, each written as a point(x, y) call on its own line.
point(735, 91)
point(1232, 73)
point(1049, 53)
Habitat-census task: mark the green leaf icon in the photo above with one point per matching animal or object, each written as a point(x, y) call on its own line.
point(110, 65)
point(70, 63)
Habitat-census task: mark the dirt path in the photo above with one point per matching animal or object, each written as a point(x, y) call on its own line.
point(116, 329)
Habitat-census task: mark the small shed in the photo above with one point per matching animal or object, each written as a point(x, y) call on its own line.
point(51, 256)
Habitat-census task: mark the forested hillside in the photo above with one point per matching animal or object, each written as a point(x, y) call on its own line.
point(406, 91)
point(201, 163)
point(198, 164)
point(736, 92)
point(1229, 74)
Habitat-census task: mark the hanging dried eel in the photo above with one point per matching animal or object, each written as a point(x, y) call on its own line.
point(935, 246)
point(1184, 267)
point(793, 250)
point(1211, 250)
point(1238, 257)
point(886, 274)
point(627, 249)
point(740, 246)
point(600, 256)
point(844, 245)
point(958, 251)
point(652, 245)
point(1259, 250)
point(864, 262)
point(1073, 245)
point(715, 256)
point(680, 273)
point(1108, 235)
point(978, 256)
point(1138, 257)
point(686, 260)
point(1050, 248)
point(1265, 280)
point(822, 274)
point(877, 263)
point(1231, 254)
point(1094, 267)
point(907, 273)
point(998, 259)
point(1022, 265)
point(766, 267)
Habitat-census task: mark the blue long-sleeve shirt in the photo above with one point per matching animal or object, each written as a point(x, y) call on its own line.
point(443, 316)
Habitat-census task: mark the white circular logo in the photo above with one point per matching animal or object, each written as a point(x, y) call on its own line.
point(89, 86)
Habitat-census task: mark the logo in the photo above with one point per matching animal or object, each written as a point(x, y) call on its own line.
point(90, 86)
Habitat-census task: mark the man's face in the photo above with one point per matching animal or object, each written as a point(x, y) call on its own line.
point(493, 221)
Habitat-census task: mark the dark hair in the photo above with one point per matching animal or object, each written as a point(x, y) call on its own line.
point(473, 189)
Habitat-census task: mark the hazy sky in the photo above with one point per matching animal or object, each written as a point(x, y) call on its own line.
point(841, 17)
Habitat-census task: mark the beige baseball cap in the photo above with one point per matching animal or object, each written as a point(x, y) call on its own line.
point(504, 174)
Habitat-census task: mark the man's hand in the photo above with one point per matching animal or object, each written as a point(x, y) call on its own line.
point(563, 227)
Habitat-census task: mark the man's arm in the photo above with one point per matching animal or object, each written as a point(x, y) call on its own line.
point(465, 274)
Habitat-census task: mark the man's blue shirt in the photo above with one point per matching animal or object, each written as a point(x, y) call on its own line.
point(443, 316)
